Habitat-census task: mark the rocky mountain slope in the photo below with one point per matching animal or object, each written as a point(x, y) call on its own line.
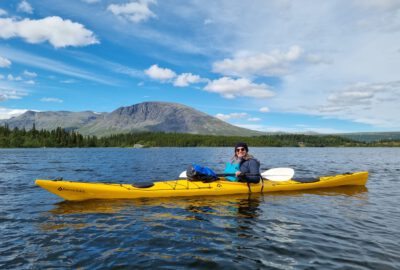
point(51, 120)
point(147, 116)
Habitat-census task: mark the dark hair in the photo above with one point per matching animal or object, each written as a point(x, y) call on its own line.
point(242, 144)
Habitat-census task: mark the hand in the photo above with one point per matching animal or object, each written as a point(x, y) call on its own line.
point(238, 173)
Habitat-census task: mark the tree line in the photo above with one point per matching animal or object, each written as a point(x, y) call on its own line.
point(19, 138)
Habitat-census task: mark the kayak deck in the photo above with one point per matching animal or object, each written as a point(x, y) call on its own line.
point(76, 191)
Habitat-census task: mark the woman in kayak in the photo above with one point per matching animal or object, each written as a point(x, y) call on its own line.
point(245, 167)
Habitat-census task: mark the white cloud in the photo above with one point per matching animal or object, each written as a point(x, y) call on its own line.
point(226, 117)
point(31, 82)
point(7, 93)
point(231, 88)
point(165, 74)
point(157, 73)
point(133, 11)
point(337, 49)
point(91, 1)
point(185, 79)
point(112, 66)
point(69, 81)
point(24, 6)
point(6, 113)
point(29, 74)
point(50, 99)
point(275, 63)
point(1, 76)
point(59, 32)
point(231, 116)
point(208, 21)
point(380, 4)
point(54, 66)
point(11, 77)
point(254, 119)
point(4, 62)
point(363, 46)
point(351, 97)
point(369, 103)
point(264, 109)
point(360, 94)
point(131, 72)
point(301, 130)
point(3, 12)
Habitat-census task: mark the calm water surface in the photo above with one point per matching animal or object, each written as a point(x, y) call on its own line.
point(340, 228)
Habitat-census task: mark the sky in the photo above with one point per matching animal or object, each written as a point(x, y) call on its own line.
point(276, 65)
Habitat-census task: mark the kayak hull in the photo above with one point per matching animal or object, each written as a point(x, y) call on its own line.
point(78, 191)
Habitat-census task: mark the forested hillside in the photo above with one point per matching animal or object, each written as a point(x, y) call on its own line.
point(62, 138)
point(372, 136)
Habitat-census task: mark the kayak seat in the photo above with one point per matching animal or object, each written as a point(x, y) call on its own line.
point(306, 179)
point(143, 185)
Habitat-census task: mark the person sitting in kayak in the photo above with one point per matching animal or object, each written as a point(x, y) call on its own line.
point(245, 167)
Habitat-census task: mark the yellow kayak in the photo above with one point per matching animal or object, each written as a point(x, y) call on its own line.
point(78, 191)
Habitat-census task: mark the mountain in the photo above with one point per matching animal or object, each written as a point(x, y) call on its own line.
point(51, 120)
point(147, 116)
point(161, 116)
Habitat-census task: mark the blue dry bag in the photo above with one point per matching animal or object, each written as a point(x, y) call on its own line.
point(199, 173)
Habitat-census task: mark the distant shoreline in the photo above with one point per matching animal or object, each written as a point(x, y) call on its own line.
point(153, 147)
point(60, 138)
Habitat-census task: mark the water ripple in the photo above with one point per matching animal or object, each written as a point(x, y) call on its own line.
point(339, 228)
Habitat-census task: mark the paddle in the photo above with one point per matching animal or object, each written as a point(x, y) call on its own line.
point(278, 174)
point(274, 174)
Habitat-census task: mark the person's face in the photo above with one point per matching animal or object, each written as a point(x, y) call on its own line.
point(240, 151)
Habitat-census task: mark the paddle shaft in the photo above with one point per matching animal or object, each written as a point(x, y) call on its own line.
point(232, 174)
point(274, 174)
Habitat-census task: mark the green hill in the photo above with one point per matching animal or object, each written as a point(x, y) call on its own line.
point(372, 136)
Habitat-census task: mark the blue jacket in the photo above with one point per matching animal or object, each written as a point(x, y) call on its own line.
point(250, 166)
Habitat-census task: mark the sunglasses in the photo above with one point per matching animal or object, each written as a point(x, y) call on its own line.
point(240, 149)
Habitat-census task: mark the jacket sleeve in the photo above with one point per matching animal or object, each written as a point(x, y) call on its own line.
point(253, 167)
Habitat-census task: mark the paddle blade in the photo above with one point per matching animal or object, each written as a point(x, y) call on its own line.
point(183, 175)
point(278, 174)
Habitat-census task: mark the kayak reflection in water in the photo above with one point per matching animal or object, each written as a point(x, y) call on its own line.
point(249, 208)
point(245, 167)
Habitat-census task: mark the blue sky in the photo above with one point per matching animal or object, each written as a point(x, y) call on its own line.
point(293, 66)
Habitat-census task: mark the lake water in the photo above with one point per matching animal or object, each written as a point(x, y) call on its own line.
point(340, 228)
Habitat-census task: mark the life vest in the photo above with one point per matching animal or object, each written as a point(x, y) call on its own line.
point(231, 168)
